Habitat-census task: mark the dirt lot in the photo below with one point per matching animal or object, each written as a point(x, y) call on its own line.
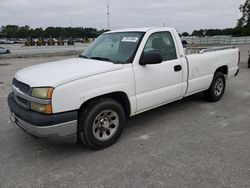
point(188, 143)
point(19, 50)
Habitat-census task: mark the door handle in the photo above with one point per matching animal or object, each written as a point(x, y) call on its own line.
point(177, 68)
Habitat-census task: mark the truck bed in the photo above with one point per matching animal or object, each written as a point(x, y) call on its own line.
point(203, 49)
point(203, 62)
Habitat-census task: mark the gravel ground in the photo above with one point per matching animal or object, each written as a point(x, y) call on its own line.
point(19, 50)
point(188, 143)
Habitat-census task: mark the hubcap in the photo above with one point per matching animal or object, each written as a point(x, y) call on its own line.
point(219, 86)
point(105, 125)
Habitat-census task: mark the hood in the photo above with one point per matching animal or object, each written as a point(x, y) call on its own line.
point(60, 72)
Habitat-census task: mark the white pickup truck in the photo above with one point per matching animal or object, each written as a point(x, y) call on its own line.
point(121, 74)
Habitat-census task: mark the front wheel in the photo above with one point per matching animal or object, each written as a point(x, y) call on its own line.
point(100, 123)
point(217, 88)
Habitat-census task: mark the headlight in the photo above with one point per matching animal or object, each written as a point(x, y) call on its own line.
point(42, 108)
point(42, 93)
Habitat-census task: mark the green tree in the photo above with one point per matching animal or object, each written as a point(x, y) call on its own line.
point(199, 33)
point(10, 31)
point(244, 21)
point(23, 31)
point(14, 31)
point(184, 34)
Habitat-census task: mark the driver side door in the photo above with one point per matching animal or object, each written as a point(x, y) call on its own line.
point(157, 84)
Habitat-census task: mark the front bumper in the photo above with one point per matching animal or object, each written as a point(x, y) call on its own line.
point(41, 125)
point(61, 130)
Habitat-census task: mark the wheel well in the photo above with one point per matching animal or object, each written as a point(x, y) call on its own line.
point(223, 69)
point(120, 97)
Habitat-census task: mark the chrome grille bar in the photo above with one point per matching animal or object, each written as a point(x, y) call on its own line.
point(19, 93)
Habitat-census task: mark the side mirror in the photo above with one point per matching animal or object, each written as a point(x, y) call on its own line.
point(150, 58)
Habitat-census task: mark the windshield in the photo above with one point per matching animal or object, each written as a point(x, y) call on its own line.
point(114, 47)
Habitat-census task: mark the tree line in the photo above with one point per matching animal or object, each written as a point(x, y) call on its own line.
point(236, 32)
point(15, 31)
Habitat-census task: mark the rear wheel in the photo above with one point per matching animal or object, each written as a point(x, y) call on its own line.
point(217, 88)
point(100, 123)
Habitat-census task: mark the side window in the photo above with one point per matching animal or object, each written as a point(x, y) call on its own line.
point(163, 44)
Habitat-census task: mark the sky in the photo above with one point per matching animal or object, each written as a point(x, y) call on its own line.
point(183, 15)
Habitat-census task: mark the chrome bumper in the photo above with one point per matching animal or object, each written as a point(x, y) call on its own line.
point(61, 130)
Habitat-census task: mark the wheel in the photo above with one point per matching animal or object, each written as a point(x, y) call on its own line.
point(217, 88)
point(100, 124)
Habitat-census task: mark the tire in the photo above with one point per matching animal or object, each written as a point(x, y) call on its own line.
point(217, 88)
point(100, 123)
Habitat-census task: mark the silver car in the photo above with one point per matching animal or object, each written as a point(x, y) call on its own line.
point(4, 50)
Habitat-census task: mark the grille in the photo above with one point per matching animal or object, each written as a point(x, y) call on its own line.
point(21, 86)
point(22, 102)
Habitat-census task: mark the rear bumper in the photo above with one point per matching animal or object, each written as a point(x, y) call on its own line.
point(41, 125)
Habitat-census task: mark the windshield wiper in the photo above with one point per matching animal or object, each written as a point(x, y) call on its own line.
point(102, 59)
point(83, 56)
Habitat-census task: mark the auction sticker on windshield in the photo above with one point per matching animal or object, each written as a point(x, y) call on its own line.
point(130, 39)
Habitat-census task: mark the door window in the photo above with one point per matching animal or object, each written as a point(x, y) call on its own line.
point(162, 43)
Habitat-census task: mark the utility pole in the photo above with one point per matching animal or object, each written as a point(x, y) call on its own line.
point(108, 15)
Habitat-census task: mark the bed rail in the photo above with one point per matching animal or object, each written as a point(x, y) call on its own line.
point(216, 49)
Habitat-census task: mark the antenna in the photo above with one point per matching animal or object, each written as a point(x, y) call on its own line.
point(71, 24)
point(108, 15)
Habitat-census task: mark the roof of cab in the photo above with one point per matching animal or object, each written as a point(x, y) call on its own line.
point(143, 29)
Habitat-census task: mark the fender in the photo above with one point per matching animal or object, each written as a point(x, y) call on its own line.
point(70, 96)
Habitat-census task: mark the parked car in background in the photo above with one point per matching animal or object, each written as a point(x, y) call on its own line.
point(4, 50)
point(2, 41)
point(5, 41)
point(186, 42)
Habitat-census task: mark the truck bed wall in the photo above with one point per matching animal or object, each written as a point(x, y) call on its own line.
point(203, 66)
